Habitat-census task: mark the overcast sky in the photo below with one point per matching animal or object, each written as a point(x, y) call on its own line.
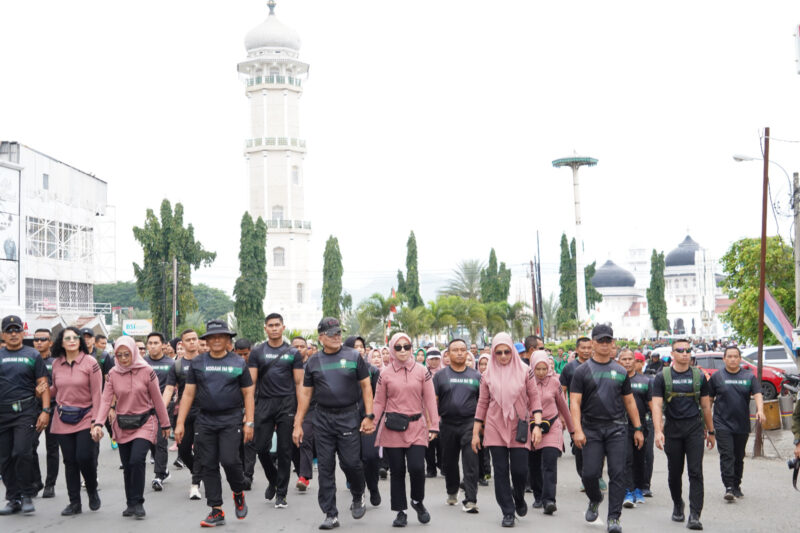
point(442, 117)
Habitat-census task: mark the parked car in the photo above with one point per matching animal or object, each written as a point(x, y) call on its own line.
point(771, 378)
point(774, 356)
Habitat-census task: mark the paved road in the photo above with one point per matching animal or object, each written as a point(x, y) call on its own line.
point(770, 505)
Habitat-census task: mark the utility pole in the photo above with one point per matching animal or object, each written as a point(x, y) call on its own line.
point(174, 294)
point(758, 445)
point(533, 299)
point(796, 206)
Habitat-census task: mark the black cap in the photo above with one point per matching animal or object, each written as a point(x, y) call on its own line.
point(602, 331)
point(11, 322)
point(87, 331)
point(217, 327)
point(329, 326)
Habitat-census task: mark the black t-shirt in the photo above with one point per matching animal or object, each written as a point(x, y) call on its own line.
point(276, 368)
point(48, 363)
point(602, 385)
point(335, 377)
point(641, 387)
point(105, 360)
point(19, 371)
point(374, 376)
point(566, 374)
point(161, 367)
point(731, 393)
point(681, 407)
point(457, 393)
point(219, 388)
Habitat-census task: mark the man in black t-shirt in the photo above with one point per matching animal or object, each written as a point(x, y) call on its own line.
point(304, 454)
point(682, 436)
point(635, 458)
point(337, 376)
point(277, 369)
point(21, 372)
point(42, 342)
point(219, 383)
point(583, 351)
point(457, 388)
point(731, 388)
point(161, 366)
point(600, 397)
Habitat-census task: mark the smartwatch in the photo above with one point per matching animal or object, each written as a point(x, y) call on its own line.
point(48, 410)
point(371, 416)
point(637, 428)
point(249, 424)
point(712, 432)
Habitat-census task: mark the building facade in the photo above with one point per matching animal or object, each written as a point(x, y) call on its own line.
point(57, 233)
point(274, 151)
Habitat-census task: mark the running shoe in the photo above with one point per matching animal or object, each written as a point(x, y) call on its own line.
point(280, 502)
point(452, 499)
point(330, 522)
point(358, 508)
point(470, 507)
point(628, 503)
point(215, 518)
point(401, 520)
point(270, 492)
point(613, 526)
point(157, 485)
point(647, 493)
point(508, 520)
point(178, 463)
point(302, 484)
point(422, 514)
point(638, 497)
point(240, 505)
point(603, 485)
point(114, 444)
point(729, 497)
point(736, 492)
point(194, 492)
point(592, 511)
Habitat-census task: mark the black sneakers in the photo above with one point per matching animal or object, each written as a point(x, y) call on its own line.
point(550, 507)
point(401, 520)
point(592, 511)
point(281, 503)
point(49, 492)
point(13, 506)
point(71, 509)
point(357, 508)
point(138, 511)
point(729, 496)
point(128, 511)
point(508, 520)
point(375, 498)
point(27, 505)
point(613, 526)
point(677, 512)
point(240, 505)
point(736, 492)
point(94, 501)
point(422, 514)
point(694, 522)
point(270, 492)
point(330, 522)
point(215, 518)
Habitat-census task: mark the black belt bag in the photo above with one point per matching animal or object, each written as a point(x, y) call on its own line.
point(72, 415)
point(547, 424)
point(399, 421)
point(18, 406)
point(134, 421)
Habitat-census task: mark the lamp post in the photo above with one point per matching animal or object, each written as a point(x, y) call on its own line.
point(575, 162)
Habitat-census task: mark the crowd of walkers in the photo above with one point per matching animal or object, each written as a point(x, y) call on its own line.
point(500, 413)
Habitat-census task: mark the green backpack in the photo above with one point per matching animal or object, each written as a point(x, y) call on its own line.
point(697, 383)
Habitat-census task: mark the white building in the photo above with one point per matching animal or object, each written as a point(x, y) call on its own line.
point(624, 305)
point(57, 235)
point(273, 75)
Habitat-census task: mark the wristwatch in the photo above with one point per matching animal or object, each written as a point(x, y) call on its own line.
point(712, 432)
point(48, 410)
point(371, 416)
point(637, 428)
point(249, 424)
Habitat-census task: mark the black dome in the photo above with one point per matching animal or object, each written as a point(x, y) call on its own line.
point(683, 255)
point(612, 275)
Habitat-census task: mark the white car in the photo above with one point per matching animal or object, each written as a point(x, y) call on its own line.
point(775, 356)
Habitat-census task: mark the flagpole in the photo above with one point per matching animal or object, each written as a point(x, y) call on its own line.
point(758, 445)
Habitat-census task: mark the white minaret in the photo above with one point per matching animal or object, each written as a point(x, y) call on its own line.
point(274, 150)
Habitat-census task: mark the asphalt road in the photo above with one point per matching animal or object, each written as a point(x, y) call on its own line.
point(770, 504)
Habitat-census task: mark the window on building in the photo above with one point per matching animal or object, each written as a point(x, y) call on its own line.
point(685, 283)
point(58, 240)
point(75, 295)
point(41, 294)
point(296, 175)
point(278, 257)
point(277, 212)
point(45, 181)
point(274, 71)
point(299, 293)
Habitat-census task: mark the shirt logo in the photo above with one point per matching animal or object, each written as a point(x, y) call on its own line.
point(24, 360)
point(233, 370)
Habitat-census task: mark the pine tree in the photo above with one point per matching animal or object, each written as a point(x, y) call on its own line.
point(251, 285)
point(332, 279)
point(568, 296)
point(162, 241)
point(495, 282)
point(592, 295)
point(656, 303)
point(412, 274)
point(401, 282)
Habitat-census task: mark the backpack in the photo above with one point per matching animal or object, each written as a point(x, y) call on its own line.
point(697, 383)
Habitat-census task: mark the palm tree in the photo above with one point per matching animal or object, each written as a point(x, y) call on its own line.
point(441, 313)
point(414, 321)
point(496, 315)
point(550, 311)
point(374, 312)
point(465, 281)
point(519, 318)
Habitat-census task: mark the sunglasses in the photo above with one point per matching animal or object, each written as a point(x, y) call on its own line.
point(123, 354)
point(402, 347)
point(682, 350)
point(605, 340)
point(71, 338)
point(502, 352)
point(13, 330)
point(41, 339)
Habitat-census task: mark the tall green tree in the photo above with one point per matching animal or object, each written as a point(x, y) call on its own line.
point(495, 281)
point(251, 285)
point(163, 240)
point(741, 267)
point(593, 296)
point(412, 273)
point(401, 282)
point(332, 271)
point(568, 296)
point(656, 302)
point(211, 302)
point(465, 280)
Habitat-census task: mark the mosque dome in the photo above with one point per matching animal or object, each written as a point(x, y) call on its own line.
point(683, 255)
point(272, 33)
point(612, 275)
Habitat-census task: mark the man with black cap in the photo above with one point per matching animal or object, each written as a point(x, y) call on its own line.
point(681, 394)
point(600, 395)
point(219, 381)
point(277, 368)
point(21, 371)
point(337, 376)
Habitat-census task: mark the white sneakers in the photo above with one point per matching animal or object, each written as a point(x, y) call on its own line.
point(194, 493)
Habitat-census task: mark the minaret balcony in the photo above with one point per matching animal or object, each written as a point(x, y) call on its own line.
point(274, 80)
point(276, 143)
point(283, 225)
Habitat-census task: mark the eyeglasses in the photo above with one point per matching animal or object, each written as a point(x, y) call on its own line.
point(502, 352)
point(123, 354)
point(682, 350)
point(41, 339)
point(71, 338)
point(402, 347)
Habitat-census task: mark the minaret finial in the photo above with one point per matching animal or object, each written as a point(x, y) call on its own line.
point(271, 5)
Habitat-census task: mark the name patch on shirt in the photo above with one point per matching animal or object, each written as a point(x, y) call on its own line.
point(740, 382)
point(465, 381)
point(25, 360)
point(612, 375)
point(233, 370)
point(640, 386)
point(342, 364)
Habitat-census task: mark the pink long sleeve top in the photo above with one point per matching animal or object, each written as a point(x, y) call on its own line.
point(553, 404)
point(76, 384)
point(137, 392)
point(405, 388)
point(499, 430)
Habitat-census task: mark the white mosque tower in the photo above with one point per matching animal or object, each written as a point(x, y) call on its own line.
point(274, 151)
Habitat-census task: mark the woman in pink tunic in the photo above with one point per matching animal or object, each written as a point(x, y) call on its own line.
point(507, 405)
point(544, 474)
point(133, 385)
point(404, 397)
point(77, 385)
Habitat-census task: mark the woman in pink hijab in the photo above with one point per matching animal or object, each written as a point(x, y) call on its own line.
point(403, 397)
point(508, 405)
point(545, 455)
point(141, 414)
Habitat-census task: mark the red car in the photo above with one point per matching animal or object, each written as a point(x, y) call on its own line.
point(771, 377)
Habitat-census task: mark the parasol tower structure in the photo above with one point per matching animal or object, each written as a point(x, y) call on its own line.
point(575, 162)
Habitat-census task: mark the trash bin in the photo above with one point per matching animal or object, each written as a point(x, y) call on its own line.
point(772, 414)
point(787, 408)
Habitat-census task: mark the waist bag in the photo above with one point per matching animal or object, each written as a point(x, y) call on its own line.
point(72, 415)
point(399, 421)
point(134, 421)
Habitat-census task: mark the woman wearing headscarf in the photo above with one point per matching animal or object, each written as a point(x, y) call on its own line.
point(545, 456)
point(510, 414)
point(403, 398)
point(77, 386)
point(133, 387)
point(375, 358)
point(419, 356)
point(386, 354)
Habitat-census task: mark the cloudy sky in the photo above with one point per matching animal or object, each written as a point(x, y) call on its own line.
point(442, 117)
